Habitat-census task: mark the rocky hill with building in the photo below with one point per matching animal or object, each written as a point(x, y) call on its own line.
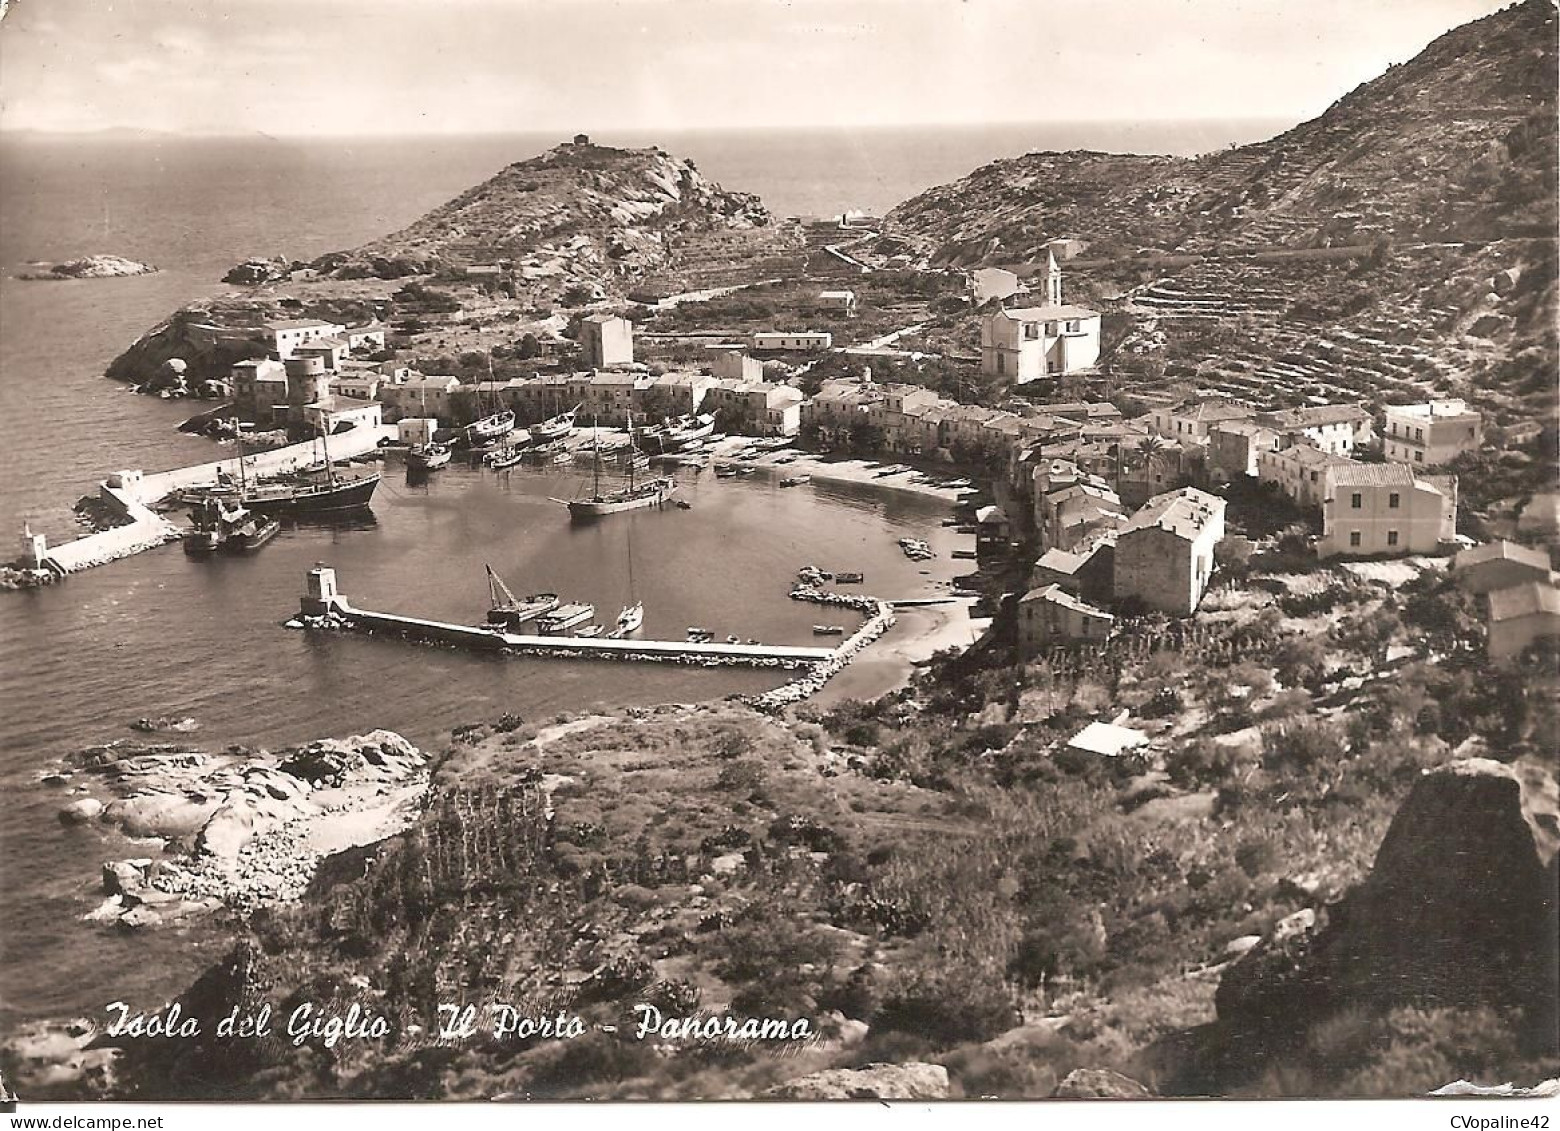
point(592, 215)
point(1456, 145)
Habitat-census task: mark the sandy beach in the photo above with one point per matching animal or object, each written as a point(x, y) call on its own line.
point(948, 486)
point(919, 633)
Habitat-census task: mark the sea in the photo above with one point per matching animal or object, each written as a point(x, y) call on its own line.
point(160, 634)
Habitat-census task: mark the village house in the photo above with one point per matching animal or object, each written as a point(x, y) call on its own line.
point(899, 411)
point(1079, 512)
point(1385, 509)
point(1143, 470)
point(257, 382)
point(1301, 473)
point(1519, 617)
point(1234, 447)
point(534, 399)
point(421, 396)
point(332, 351)
point(1164, 553)
point(608, 396)
point(368, 338)
point(796, 341)
point(756, 407)
point(1051, 615)
point(286, 335)
point(675, 394)
point(839, 302)
point(1431, 434)
point(606, 341)
point(993, 530)
point(357, 386)
point(1107, 740)
point(734, 365)
point(993, 282)
point(1086, 571)
point(1499, 565)
point(839, 406)
point(1336, 428)
point(1028, 343)
point(331, 414)
point(1192, 420)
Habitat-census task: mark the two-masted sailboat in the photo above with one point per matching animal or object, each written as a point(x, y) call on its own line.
point(495, 425)
point(309, 495)
point(315, 492)
point(647, 493)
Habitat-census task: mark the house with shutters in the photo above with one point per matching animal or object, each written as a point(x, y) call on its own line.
point(1384, 508)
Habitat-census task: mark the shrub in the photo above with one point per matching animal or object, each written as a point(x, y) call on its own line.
point(1302, 744)
point(949, 1008)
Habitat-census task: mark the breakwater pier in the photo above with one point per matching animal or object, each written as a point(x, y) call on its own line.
point(129, 496)
point(324, 607)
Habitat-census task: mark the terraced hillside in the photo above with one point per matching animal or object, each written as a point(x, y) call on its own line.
point(1458, 144)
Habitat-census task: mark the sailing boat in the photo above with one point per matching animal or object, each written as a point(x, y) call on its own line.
point(652, 492)
point(312, 497)
point(483, 432)
point(633, 615)
point(557, 427)
point(221, 526)
point(430, 456)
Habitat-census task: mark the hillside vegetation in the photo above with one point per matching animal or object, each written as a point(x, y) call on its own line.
point(1456, 145)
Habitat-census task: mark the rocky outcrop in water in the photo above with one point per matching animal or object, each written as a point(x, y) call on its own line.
point(93, 267)
point(247, 829)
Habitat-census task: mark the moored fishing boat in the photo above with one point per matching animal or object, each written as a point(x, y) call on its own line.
point(429, 457)
point(649, 493)
point(555, 428)
point(506, 611)
point(504, 457)
point(490, 428)
point(629, 620)
point(564, 618)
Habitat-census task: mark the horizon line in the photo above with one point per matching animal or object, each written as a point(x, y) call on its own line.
point(566, 132)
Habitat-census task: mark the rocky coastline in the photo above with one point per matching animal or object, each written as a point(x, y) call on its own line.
point(234, 830)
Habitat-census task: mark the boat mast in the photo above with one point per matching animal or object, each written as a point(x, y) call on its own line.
point(330, 468)
point(595, 451)
point(238, 434)
point(633, 451)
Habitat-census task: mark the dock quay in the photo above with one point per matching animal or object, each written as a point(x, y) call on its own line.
point(323, 606)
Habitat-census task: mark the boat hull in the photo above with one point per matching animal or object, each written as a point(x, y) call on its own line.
point(328, 499)
point(650, 496)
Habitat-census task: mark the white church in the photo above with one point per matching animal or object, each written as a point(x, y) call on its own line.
point(1030, 342)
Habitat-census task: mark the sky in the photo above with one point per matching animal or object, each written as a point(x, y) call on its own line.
point(395, 67)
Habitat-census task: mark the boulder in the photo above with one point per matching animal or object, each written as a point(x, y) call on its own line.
point(1459, 909)
point(1099, 1084)
point(913, 1081)
point(82, 811)
point(1273, 976)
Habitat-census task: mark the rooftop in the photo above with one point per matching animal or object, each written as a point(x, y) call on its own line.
point(1318, 416)
point(1524, 600)
point(300, 324)
point(1056, 595)
point(1106, 739)
point(1049, 313)
point(1208, 412)
point(1501, 551)
point(1354, 474)
point(1447, 408)
point(1185, 512)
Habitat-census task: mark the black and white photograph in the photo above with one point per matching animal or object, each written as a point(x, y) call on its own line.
point(877, 552)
